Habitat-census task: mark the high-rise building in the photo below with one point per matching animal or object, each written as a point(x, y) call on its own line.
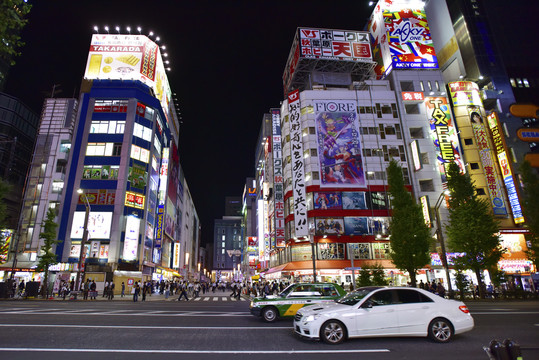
point(126, 213)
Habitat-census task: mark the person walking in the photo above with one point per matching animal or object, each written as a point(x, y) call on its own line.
point(144, 289)
point(183, 292)
point(123, 290)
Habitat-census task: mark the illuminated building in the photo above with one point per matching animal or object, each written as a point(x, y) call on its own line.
point(124, 156)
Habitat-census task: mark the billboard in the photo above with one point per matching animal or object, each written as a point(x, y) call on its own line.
point(505, 166)
point(132, 229)
point(130, 57)
point(99, 224)
point(298, 167)
point(326, 44)
point(339, 148)
point(444, 134)
point(278, 187)
point(401, 37)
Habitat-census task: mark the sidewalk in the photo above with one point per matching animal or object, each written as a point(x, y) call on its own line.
point(129, 297)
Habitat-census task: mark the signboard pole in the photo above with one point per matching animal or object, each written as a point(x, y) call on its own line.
point(311, 240)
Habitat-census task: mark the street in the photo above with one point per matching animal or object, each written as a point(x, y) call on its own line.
point(217, 327)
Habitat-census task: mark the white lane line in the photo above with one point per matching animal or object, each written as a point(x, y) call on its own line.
point(224, 298)
point(215, 298)
point(206, 299)
point(150, 327)
point(133, 314)
point(505, 313)
point(197, 351)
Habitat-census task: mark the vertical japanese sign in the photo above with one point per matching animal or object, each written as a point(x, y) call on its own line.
point(505, 165)
point(444, 134)
point(493, 178)
point(278, 179)
point(298, 167)
point(339, 149)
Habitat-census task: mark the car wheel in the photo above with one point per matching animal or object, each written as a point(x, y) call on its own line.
point(440, 330)
point(270, 314)
point(333, 332)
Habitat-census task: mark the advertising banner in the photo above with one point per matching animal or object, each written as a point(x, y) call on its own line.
point(505, 166)
point(494, 181)
point(334, 44)
point(444, 134)
point(329, 226)
point(129, 57)
point(99, 224)
point(401, 36)
point(132, 229)
point(360, 251)
point(137, 176)
point(298, 167)
point(339, 148)
point(327, 201)
point(4, 246)
point(278, 188)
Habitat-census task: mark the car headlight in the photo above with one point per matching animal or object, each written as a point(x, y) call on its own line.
point(311, 318)
point(252, 304)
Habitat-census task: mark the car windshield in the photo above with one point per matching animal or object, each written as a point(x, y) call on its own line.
point(355, 296)
point(287, 290)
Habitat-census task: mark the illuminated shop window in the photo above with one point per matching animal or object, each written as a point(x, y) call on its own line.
point(103, 149)
point(142, 132)
point(107, 127)
point(100, 172)
point(140, 153)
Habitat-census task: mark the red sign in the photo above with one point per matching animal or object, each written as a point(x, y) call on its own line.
point(412, 96)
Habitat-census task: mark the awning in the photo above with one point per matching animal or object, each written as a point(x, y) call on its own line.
point(328, 264)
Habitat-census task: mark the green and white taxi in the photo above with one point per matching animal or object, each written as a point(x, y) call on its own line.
point(293, 298)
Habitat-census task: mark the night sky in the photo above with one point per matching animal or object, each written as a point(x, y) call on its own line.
point(227, 60)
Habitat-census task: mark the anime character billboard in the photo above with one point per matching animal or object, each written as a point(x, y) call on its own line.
point(339, 148)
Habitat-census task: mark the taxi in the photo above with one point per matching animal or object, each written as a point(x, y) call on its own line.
point(293, 298)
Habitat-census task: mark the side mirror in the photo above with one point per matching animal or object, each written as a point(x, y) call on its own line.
point(367, 304)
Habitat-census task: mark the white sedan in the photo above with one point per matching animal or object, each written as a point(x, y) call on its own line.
point(384, 311)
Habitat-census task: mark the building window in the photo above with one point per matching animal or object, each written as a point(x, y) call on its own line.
point(468, 142)
point(142, 132)
point(312, 130)
point(398, 131)
point(426, 185)
point(422, 86)
point(140, 153)
point(107, 127)
point(417, 133)
point(424, 158)
point(407, 85)
point(314, 153)
point(411, 108)
point(57, 187)
point(102, 149)
point(474, 166)
point(480, 191)
point(61, 166)
point(65, 146)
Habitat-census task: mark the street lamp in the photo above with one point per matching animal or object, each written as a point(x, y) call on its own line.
point(439, 235)
point(82, 253)
point(313, 252)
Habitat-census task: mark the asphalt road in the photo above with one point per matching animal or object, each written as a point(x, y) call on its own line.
point(216, 327)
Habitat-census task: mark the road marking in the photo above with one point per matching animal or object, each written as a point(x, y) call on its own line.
point(150, 327)
point(197, 351)
point(206, 299)
point(505, 313)
point(105, 313)
point(215, 298)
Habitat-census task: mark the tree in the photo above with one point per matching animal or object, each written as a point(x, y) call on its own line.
point(373, 275)
point(410, 235)
point(530, 206)
point(47, 257)
point(12, 21)
point(472, 229)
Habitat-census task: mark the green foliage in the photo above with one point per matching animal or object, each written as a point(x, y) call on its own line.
point(530, 207)
point(462, 283)
point(410, 236)
point(374, 275)
point(47, 256)
point(472, 228)
point(12, 21)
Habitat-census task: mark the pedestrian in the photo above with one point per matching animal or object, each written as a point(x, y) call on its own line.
point(106, 289)
point(123, 289)
point(136, 292)
point(144, 289)
point(93, 290)
point(167, 290)
point(85, 289)
point(440, 290)
point(64, 290)
point(111, 291)
point(421, 284)
point(183, 289)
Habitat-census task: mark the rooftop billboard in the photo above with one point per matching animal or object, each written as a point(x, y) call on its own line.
point(401, 37)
